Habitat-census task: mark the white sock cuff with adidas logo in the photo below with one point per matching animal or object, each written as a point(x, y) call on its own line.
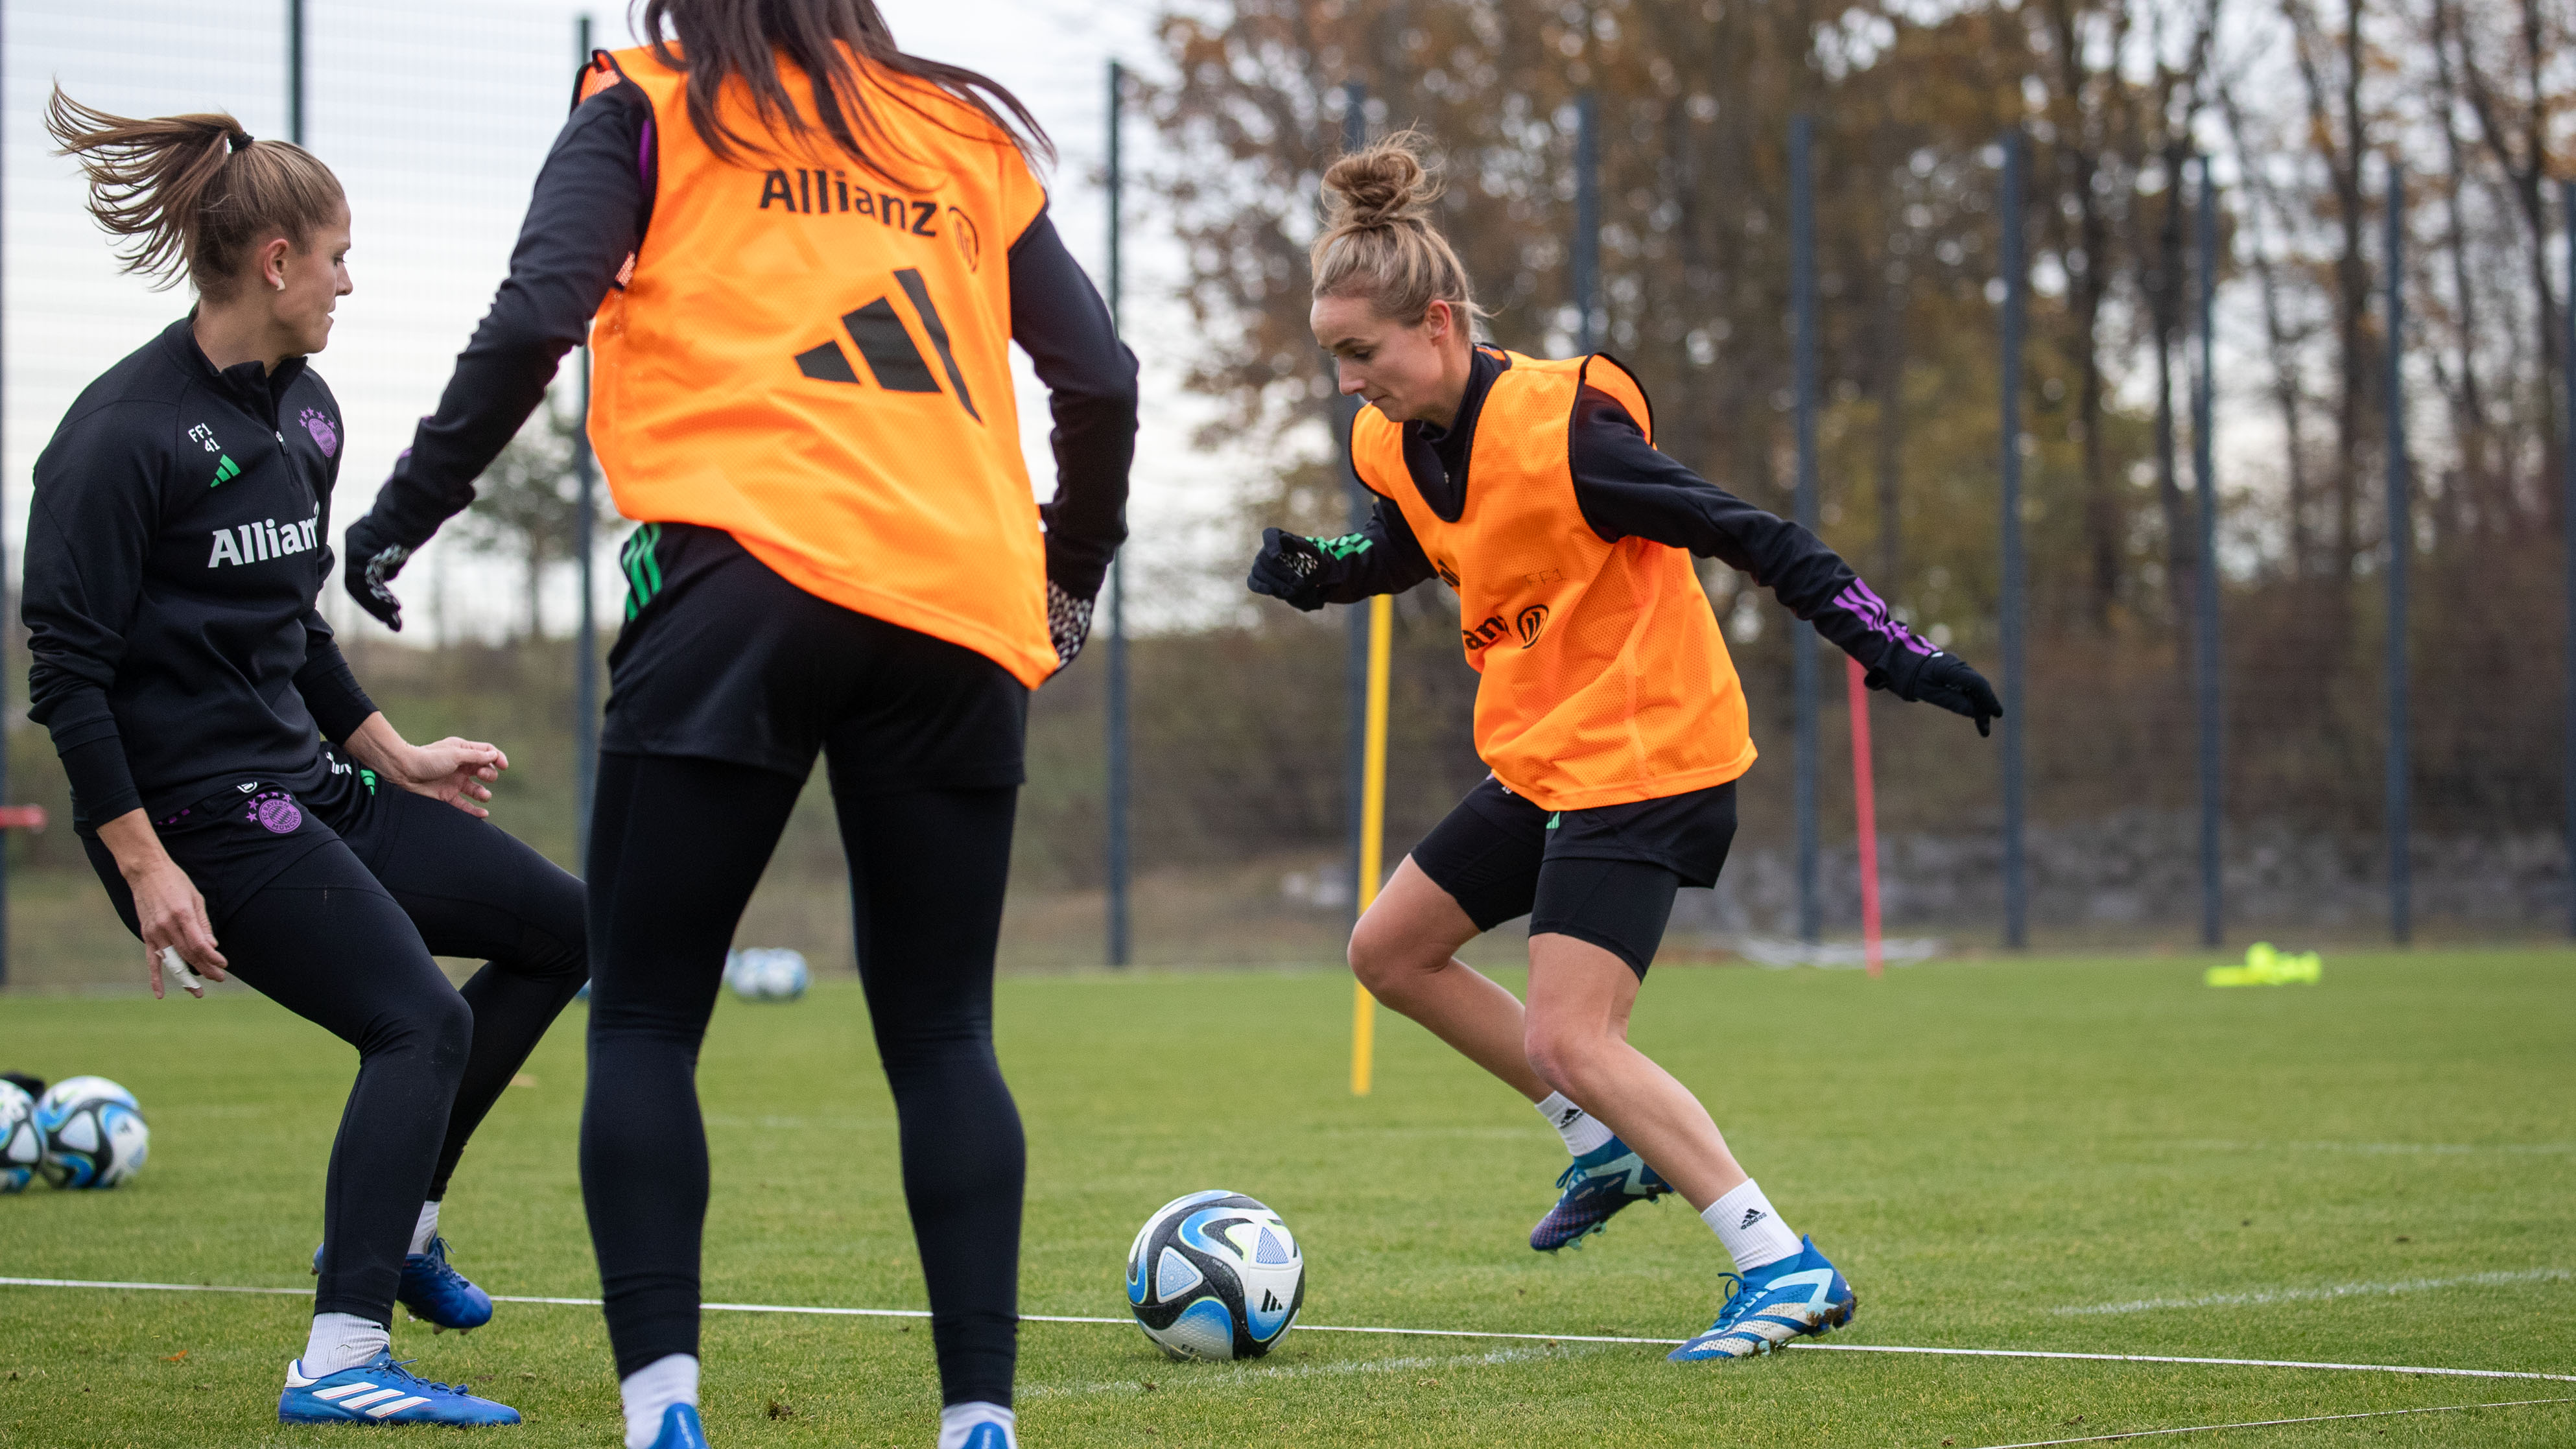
point(1750, 1227)
point(1581, 1130)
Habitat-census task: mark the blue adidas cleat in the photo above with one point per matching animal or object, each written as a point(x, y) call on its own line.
point(989, 1436)
point(1800, 1297)
point(681, 1429)
point(382, 1391)
point(1595, 1188)
point(435, 1292)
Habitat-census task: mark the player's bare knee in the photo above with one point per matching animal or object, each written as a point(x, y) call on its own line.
point(1566, 1057)
point(1380, 960)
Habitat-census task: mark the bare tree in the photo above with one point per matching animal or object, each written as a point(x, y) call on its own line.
point(527, 504)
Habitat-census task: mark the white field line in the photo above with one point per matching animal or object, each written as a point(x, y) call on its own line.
point(2269, 1423)
point(2379, 1368)
point(1221, 1378)
point(2335, 1290)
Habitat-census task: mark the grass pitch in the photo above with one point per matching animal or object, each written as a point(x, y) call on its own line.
point(2096, 1156)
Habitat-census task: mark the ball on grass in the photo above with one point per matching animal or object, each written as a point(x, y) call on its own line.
point(1215, 1275)
point(94, 1133)
point(22, 1142)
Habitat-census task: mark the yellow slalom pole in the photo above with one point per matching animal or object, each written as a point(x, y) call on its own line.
point(1372, 829)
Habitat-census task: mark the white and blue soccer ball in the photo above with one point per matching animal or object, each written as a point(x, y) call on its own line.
point(761, 974)
point(94, 1133)
point(22, 1142)
point(1215, 1275)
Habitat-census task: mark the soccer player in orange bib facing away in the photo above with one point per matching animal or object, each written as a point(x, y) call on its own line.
point(1608, 711)
point(809, 254)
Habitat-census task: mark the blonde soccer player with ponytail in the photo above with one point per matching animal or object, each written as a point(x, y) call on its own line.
point(248, 809)
point(1609, 713)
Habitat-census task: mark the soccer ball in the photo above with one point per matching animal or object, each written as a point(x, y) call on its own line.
point(767, 975)
point(22, 1142)
point(94, 1133)
point(1215, 1275)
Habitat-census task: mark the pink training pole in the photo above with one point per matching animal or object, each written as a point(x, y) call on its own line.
point(1865, 805)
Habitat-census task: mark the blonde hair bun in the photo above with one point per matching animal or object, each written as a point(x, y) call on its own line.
point(1378, 240)
point(1380, 186)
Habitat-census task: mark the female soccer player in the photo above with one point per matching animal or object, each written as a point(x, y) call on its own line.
point(175, 551)
point(814, 252)
point(1609, 713)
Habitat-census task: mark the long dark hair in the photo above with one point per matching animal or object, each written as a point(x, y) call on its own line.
point(193, 194)
point(722, 39)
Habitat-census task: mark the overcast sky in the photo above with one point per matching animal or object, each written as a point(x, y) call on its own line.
point(435, 117)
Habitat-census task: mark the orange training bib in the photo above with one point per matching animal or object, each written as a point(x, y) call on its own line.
point(1606, 679)
point(815, 359)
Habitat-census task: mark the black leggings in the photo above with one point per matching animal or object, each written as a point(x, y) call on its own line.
point(346, 944)
point(676, 847)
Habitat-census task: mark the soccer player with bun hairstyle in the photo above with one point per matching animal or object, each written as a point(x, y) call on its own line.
point(1609, 713)
point(249, 810)
point(808, 254)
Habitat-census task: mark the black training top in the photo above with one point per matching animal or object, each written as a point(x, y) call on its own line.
point(175, 547)
point(594, 199)
point(1625, 489)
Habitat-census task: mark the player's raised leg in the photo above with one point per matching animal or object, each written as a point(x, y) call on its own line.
point(1404, 950)
point(472, 890)
point(1581, 994)
point(1486, 855)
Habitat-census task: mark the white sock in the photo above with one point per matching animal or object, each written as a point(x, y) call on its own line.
point(341, 1341)
point(426, 1229)
point(959, 1420)
point(1581, 1130)
point(1750, 1227)
point(654, 1388)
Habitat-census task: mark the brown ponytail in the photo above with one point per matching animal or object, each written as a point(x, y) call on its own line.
point(195, 194)
point(721, 40)
point(1378, 241)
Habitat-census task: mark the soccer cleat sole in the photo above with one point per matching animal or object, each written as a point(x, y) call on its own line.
point(1818, 1325)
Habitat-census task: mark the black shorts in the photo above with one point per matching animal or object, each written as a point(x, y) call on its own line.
point(1604, 875)
point(238, 840)
point(721, 659)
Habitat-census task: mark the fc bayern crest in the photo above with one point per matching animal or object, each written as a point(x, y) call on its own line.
point(325, 436)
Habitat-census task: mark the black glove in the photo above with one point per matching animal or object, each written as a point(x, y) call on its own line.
point(1068, 622)
point(1288, 568)
point(369, 567)
point(1937, 678)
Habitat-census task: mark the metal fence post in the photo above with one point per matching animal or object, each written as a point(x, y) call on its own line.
point(1587, 222)
point(1355, 662)
point(2016, 279)
point(2567, 531)
point(2204, 409)
point(1802, 639)
point(2401, 545)
point(1120, 938)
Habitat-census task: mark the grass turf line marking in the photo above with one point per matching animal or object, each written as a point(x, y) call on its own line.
point(2378, 1368)
point(2272, 1423)
point(2337, 1290)
point(1227, 1377)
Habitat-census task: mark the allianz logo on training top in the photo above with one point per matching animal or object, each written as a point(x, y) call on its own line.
point(812, 191)
point(251, 543)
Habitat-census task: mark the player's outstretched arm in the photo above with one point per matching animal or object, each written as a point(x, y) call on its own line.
point(1308, 573)
point(1628, 489)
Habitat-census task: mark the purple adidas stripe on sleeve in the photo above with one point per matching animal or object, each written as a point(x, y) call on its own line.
point(1862, 603)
